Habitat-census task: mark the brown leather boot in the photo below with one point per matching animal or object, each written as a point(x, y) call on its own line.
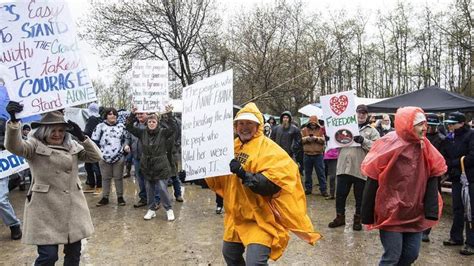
point(357, 226)
point(340, 220)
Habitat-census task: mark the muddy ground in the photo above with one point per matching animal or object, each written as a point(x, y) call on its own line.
point(122, 237)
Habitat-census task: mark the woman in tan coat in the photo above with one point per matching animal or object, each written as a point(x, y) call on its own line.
point(56, 210)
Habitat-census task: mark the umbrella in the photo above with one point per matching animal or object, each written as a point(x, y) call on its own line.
point(311, 109)
point(466, 199)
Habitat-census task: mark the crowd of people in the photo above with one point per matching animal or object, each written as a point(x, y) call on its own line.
point(395, 170)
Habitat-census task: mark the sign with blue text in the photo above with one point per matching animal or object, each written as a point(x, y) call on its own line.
point(207, 139)
point(11, 163)
point(40, 61)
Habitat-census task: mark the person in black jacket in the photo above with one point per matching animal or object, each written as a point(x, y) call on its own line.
point(459, 143)
point(288, 137)
point(94, 177)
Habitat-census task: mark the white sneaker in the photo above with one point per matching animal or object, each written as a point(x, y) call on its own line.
point(149, 214)
point(170, 215)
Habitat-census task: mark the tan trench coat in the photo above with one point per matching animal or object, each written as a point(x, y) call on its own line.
point(57, 211)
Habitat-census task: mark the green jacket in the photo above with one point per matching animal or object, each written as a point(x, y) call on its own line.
point(154, 164)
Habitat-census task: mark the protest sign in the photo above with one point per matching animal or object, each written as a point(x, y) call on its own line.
point(40, 58)
point(10, 163)
point(150, 85)
point(340, 119)
point(207, 127)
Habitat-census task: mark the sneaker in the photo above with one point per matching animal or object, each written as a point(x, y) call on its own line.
point(102, 202)
point(89, 189)
point(324, 194)
point(120, 201)
point(308, 192)
point(219, 210)
point(140, 203)
point(451, 242)
point(329, 198)
point(15, 232)
point(170, 215)
point(149, 214)
point(467, 250)
point(179, 199)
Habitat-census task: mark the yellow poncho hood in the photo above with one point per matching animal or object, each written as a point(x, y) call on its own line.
point(252, 218)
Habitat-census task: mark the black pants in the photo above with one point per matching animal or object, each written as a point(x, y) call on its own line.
point(219, 201)
point(94, 178)
point(343, 187)
point(48, 254)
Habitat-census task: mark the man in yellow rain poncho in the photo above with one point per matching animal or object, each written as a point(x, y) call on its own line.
point(264, 198)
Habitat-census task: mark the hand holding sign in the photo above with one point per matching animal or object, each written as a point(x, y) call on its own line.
point(13, 108)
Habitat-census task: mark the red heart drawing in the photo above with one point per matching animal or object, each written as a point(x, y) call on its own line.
point(338, 104)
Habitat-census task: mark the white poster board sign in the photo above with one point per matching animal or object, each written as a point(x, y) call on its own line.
point(150, 85)
point(207, 127)
point(340, 119)
point(40, 60)
point(10, 163)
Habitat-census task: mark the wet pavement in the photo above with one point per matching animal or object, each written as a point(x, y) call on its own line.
point(123, 237)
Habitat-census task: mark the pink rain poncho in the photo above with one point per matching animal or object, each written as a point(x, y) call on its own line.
point(402, 164)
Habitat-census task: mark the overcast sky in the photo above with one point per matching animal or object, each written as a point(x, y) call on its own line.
point(79, 9)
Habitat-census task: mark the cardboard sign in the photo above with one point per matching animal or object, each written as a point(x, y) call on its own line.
point(207, 127)
point(40, 61)
point(340, 119)
point(11, 163)
point(150, 85)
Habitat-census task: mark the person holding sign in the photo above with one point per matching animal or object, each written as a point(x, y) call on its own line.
point(154, 163)
point(401, 196)
point(56, 210)
point(264, 198)
point(348, 170)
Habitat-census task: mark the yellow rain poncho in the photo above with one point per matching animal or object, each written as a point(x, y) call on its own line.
point(252, 218)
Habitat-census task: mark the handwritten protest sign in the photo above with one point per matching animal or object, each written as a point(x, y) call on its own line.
point(207, 128)
point(150, 85)
point(40, 58)
point(10, 163)
point(340, 119)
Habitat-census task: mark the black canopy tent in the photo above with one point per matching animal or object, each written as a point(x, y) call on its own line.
point(430, 99)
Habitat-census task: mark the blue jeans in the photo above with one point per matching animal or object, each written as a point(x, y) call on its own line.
point(316, 162)
point(6, 210)
point(176, 186)
point(459, 223)
point(141, 183)
point(157, 187)
point(400, 248)
point(256, 254)
point(48, 254)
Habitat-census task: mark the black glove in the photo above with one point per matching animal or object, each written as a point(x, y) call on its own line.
point(12, 109)
point(326, 138)
point(236, 168)
point(76, 131)
point(358, 139)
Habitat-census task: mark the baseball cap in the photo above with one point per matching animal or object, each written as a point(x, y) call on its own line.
point(362, 108)
point(455, 117)
point(432, 119)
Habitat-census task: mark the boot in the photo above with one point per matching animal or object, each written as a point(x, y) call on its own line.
point(357, 226)
point(15, 232)
point(340, 220)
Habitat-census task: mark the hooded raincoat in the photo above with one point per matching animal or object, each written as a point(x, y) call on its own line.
point(402, 164)
point(253, 218)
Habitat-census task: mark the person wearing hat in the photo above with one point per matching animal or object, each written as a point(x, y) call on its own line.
point(264, 197)
point(348, 170)
point(401, 197)
point(384, 127)
point(460, 143)
point(94, 177)
point(436, 138)
point(313, 146)
point(56, 210)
